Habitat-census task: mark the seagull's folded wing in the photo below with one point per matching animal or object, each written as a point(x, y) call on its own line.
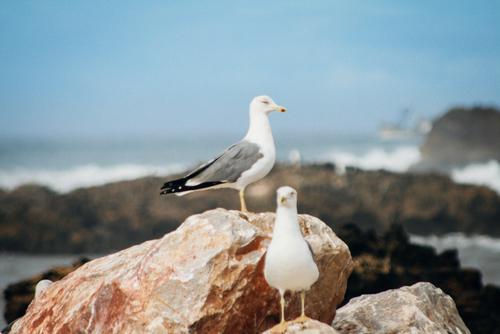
point(228, 166)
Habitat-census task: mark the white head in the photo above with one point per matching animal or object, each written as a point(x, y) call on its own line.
point(265, 104)
point(287, 197)
point(42, 286)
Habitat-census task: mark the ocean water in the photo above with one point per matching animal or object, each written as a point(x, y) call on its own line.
point(65, 165)
point(478, 251)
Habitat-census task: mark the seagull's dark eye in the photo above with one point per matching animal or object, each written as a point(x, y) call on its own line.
point(265, 102)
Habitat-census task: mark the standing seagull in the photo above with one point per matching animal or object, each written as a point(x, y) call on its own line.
point(239, 165)
point(289, 263)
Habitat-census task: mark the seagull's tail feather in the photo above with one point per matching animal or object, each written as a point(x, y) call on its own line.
point(179, 186)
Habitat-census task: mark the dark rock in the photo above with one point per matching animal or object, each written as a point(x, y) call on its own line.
point(389, 261)
point(115, 216)
point(461, 136)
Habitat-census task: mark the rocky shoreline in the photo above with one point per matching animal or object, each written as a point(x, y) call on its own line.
point(380, 262)
point(389, 261)
point(111, 217)
point(459, 137)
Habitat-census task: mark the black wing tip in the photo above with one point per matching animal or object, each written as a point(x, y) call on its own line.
point(173, 187)
point(179, 186)
point(165, 192)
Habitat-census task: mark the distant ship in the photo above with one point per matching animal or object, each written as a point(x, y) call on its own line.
point(403, 129)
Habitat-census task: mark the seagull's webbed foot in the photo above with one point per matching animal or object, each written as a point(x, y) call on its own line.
point(280, 328)
point(244, 215)
point(301, 318)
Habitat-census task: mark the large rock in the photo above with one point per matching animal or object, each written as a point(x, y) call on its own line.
point(420, 308)
point(206, 277)
point(461, 136)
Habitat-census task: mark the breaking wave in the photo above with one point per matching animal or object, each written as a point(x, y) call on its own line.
point(486, 174)
point(398, 159)
point(474, 251)
point(458, 241)
point(81, 176)
point(395, 159)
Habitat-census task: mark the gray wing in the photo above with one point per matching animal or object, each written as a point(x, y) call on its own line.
point(228, 166)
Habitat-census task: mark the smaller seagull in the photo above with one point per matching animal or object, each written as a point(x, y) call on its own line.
point(289, 262)
point(239, 165)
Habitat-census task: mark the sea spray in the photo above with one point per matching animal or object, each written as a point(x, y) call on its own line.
point(65, 180)
point(486, 174)
point(398, 159)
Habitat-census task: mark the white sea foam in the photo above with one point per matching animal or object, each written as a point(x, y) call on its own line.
point(476, 251)
point(458, 241)
point(80, 176)
point(487, 174)
point(398, 159)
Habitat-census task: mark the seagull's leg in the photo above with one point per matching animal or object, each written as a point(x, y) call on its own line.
point(242, 200)
point(282, 303)
point(302, 301)
point(303, 316)
point(282, 326)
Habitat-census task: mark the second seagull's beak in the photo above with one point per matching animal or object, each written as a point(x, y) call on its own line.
point(279, 108)
point(282, 199)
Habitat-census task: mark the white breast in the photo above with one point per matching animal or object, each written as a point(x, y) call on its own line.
point(290, 266)
point(259, 133)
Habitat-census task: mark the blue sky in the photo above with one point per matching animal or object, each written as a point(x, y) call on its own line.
point(115, 68)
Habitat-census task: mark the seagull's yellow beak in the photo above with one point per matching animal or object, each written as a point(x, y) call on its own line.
point(279, 108)
point(282, 199)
